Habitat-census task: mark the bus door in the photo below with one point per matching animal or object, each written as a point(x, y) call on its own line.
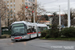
point(39, 31)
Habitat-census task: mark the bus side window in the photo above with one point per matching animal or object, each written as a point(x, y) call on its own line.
point(29, 30)
point(33, 30)
point(39, 29)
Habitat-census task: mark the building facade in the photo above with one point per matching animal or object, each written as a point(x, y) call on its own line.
point(14, 7)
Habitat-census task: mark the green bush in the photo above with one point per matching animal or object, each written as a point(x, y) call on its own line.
point(68, 32)
point(51, 33)
point(54, 33)
point(44, 33)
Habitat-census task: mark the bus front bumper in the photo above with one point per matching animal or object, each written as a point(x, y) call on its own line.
point(19, 38)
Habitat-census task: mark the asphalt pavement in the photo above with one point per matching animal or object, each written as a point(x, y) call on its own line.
point(36, 44)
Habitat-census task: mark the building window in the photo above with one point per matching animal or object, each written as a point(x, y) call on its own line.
point(14, 6)
point(11, 3)
point(4, 3)
point(26, 3)
point(11, 15)
point(10, 0)
point(7, 3)
point(14, 10)
point(22, 0)
point(4, 0)
point(33, 0)
point(7, 0)
point(11, 6)
point(29, 3)
point(29, 0)
point(14, 0)
point(25, 10)
point(25, 0)
point(7, 7)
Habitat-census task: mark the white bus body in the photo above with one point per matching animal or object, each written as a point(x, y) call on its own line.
point(26, 30)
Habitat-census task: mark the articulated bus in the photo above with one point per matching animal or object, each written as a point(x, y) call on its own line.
point(25, 30)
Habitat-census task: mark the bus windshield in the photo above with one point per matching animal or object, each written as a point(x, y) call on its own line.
point(18, 29)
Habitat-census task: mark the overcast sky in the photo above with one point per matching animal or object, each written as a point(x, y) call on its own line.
point(53, 5)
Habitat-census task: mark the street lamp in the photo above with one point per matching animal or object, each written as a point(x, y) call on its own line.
point(14, 18)
point(69, 20)
point(59, 19)
point(33, 12)
point(0, 22)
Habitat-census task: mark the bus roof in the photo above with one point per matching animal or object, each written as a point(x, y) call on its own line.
point(30, 24)
point(41, 25)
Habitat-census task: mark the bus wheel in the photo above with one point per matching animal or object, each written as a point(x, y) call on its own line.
point(13, 41)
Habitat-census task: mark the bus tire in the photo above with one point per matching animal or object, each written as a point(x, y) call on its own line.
point(14, 41)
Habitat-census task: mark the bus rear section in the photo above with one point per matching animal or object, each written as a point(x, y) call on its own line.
point(41, 27)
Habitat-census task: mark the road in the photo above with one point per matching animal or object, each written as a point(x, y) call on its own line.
point(37, 44)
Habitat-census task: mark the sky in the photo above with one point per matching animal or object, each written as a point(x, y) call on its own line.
point(53, 5)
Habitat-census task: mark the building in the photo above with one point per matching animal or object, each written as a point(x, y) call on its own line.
point(15, 6)
point(50, 19)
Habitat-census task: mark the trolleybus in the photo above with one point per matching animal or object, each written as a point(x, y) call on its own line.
point(26, 30)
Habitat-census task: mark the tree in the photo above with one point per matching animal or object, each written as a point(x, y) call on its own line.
point(65, 19)
point(3, 10)
point(55, 20)
point(28, 13)
point(72, 16)
point(40, 9)
point(11, 17)
point(25, 13)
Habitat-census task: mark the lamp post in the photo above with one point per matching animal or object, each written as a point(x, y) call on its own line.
point(8, 20)
point(14, 17)
point(0, 22)
point(33, 11)
point(69, 20)
point(59, 19)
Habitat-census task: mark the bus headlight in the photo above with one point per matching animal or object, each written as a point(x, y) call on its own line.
point(12, 38)
point(24, 36)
